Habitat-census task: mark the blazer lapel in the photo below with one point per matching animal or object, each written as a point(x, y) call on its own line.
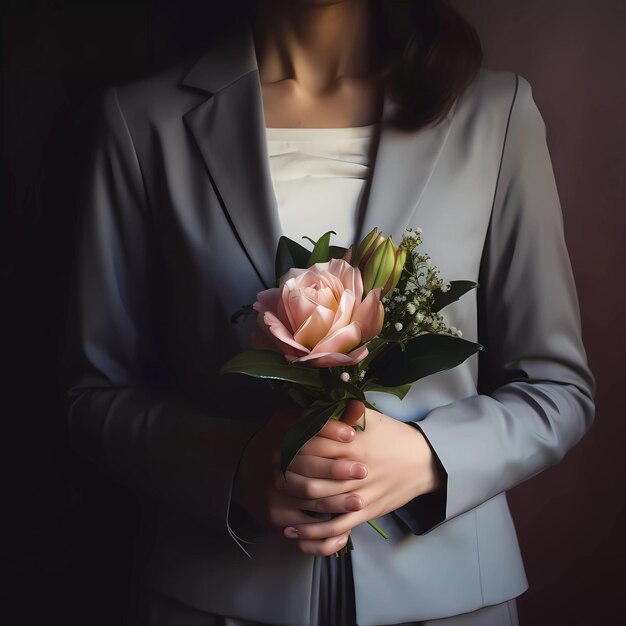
point(404, 164)
point(229, 129)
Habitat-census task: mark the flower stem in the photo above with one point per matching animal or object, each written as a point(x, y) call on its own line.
point(349, 546)
point(379, 530)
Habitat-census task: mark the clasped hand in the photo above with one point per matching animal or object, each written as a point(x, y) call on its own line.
point(356, 476)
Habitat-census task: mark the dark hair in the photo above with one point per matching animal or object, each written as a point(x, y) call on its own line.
point(431, 53)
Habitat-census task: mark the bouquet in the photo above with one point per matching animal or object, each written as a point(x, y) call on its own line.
point(340, 323)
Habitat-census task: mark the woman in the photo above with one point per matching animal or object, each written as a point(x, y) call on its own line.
point(181, 218)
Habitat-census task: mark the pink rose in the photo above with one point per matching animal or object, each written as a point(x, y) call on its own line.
point(318, 315)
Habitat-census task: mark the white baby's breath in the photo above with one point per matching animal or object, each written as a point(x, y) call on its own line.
point(408, 306)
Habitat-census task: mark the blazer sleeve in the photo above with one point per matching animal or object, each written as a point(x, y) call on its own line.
point(536, 392)
point(120, 414)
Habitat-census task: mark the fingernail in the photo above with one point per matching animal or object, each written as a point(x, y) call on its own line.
point(345, 434)
point(353, 503)
point(358, 470)
point(292, 533)
point(340, 543)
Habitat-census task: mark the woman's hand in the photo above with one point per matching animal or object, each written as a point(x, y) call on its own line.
point(259, 485)
point(400, 464)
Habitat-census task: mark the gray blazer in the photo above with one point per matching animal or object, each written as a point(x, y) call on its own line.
point(178, 228)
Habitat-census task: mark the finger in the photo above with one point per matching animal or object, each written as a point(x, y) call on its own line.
point(280, 518)
point(337, 431)
point(326, 547)
point(320, 467)
point(311, 488)
point(328, 448)
point(343, 503)
point(333, 430)
point(283, 510)
point(353, 413)
point(319, 446)
point(331, 528)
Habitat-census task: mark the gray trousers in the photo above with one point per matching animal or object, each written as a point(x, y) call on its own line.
point(334, 589)
point(165, 611)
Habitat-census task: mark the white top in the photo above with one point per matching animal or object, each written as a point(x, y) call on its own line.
point(319, 175)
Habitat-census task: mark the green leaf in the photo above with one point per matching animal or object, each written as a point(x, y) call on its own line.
point(298, 434)
point(289, 254)
point(399, 391)
point(332, 382)
point(272, 365)
point(370, 405)
point(423, 355)
point(298, 397)
point(321, 251)
point(336, 252)
point(442, 299)
point(374, 347)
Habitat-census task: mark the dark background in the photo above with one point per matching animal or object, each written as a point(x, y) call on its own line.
point(67, 556)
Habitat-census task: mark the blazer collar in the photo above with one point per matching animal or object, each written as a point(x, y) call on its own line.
point(223, 62)
point(229, 129)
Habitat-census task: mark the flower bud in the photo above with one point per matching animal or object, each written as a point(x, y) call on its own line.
point(383, 267)
point(365, 249)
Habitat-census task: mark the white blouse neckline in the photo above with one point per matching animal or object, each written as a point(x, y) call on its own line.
point(274, 132)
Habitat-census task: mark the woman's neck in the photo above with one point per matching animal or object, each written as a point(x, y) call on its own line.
point(313, 42)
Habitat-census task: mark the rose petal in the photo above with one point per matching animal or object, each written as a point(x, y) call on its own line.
point(263, 339)
point(315, 328)
point(332, 359)
point(281, 312)
point(284, 311)
point(294, 272)
point(309, 282)
point(358, 354)
point(370, 314)
point(326, 298)
point(306, 279)
point(342, 340)
point(349, 276)
point(325, 359)
point(279, 331)
point(358, 284)
point(338, 266)
point(331, 281)
point(267, 300)
point(345, 310)
point(301, 305)
point(318, 268)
